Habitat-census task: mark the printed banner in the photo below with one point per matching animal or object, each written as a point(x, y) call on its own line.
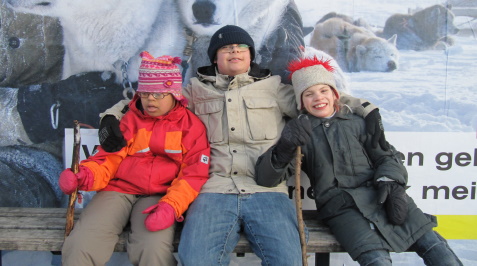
point(442, 175)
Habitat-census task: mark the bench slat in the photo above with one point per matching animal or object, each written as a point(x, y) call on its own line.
point(42, 229)
point(35, 212)
point(45, 223)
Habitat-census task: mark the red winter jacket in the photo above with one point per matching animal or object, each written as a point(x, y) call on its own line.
point(167, 154)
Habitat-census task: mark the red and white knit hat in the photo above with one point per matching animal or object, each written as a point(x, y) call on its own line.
point(310, 71)
point(161, 75)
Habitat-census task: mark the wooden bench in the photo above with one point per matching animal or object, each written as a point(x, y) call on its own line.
point(42, 229)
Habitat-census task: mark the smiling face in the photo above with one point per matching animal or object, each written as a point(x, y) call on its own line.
point(319, 100)
point(233, 63)
point(157, 107)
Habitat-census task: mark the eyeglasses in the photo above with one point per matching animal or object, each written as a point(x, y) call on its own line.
point(154, 94)
point(230, 48)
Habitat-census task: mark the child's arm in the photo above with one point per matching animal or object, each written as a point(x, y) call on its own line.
point(103, 164)
point(388, 163)
point(267, 173)
point(370, 113)
point(361, 107)
point(390, 179)
point(118, 110)
point(110, 136)
point(273, 167)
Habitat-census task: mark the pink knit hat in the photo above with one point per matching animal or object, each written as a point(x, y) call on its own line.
point(161, 75)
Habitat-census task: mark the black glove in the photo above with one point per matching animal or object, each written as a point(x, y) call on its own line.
point(110, 136)
point(374, 126)
point(296, 132)
point(393, 196)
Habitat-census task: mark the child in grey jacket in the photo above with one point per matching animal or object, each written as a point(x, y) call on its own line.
point(359, 189)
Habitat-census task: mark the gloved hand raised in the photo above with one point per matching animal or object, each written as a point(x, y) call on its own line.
point(374, 126)
point(110, 136)
point(393, 196)
point(161, 216)
point(69, 181)
point(297, 132)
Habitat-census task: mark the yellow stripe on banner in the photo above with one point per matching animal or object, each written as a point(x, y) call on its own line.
point(457, 226)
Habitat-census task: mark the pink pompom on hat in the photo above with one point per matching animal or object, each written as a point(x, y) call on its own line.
point(161, 75)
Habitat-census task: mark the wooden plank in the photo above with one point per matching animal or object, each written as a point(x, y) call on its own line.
point(38, 240)
point(322, 242)
point(52, 240)
point(42, 229)
point(46, 223)
point(35, 212)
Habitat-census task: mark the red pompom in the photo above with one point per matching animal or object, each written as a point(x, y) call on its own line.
point(308, 62)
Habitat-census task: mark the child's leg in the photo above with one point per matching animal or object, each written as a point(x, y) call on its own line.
point(355, 233)
point(211, 230)
point(145, 247)
point(379, 257)
point(97, 231)
point(434, 250)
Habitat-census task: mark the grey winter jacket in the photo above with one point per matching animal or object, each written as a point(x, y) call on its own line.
point(343, 169)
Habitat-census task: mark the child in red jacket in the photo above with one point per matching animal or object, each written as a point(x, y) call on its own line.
point(150, 182)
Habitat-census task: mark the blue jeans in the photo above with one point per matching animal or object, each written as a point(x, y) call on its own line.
point(431, 247)
point(214, 222)
point(434, 250)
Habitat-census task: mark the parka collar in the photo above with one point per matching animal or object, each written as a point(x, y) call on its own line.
point(210, 73)
point(174, 114)
point(344, 113)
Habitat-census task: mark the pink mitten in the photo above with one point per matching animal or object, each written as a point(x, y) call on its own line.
point(82, 180)
point(161, 216)
point(68, 181)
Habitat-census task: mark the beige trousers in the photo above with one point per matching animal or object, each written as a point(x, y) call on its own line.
point(96, 232)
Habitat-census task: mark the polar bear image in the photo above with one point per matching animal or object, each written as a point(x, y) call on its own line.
point(275, 27)
point(355, 48)
point(426, 29)
point(102, 35)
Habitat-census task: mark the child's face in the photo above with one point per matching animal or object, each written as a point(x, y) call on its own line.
point(319, 100)
point(157, 107)
point(233, 63)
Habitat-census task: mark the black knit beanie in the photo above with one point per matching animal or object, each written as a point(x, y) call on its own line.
point(229, 34)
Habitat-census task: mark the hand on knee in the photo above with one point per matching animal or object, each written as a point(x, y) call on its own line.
point(161, 216)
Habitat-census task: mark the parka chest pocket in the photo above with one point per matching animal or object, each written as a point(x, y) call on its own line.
point(263, 116)
point(211, 115)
